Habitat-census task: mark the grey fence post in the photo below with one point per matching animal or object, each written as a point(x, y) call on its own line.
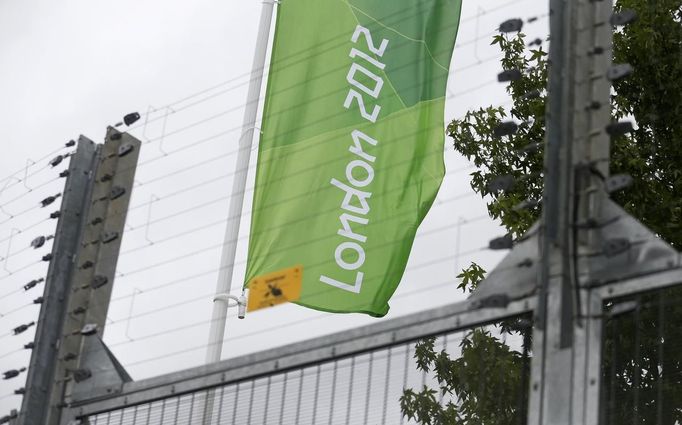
point(85, 362)
point(41, 372)
point(68, 346)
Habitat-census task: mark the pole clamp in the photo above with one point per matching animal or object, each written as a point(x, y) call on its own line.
point(238, 302)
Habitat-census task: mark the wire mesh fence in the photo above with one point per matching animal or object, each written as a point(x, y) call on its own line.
point(364, 388)
point(642, 359)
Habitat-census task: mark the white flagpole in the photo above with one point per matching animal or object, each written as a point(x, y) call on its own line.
point(224, 284)
point(221, 300)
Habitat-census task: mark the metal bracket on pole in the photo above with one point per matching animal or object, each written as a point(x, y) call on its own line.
point(108, 375)
point(238, 302)
point(96, 268)
point(79, 282)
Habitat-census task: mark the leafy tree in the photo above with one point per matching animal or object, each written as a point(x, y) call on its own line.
point(652, 155)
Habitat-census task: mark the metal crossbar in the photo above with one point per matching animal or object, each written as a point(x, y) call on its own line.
point(363, 367)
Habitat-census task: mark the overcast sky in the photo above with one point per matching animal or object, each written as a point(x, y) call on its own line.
point(74, 66)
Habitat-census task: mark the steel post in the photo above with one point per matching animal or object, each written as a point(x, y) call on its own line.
point(44, 358)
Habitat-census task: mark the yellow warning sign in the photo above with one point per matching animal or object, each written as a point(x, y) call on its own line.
point(275, 288)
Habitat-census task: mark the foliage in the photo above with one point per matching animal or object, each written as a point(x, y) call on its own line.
point(470, 277)
point(652, 155)
point(642, 371)
point(519, 155)
point(481, 378)
point(485, 382)
point(652, 96)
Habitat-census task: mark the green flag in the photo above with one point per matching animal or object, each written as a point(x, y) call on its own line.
point(351, 151)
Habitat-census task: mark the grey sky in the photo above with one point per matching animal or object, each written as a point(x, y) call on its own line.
point(73, 67)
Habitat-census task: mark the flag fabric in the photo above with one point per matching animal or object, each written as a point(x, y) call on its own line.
point(351, 150)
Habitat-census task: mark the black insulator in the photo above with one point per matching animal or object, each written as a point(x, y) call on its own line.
point(505, 128)
point(22, 328)
point(109, 237)
point(38, 242)
point(12, 373)
point(617, 182)
point(619, 128)
point(32, 283)
point(98, 281)
point(624, 17)
point(501, 183)
point(509, 75)
point(89, 329)
point(131, 118)
point(125, 149)
point(503, 242)
point(511, 25)
point(533, 94)
point(116, 192)
point(56, 160)
point(81, 374)
point(618, 71)
point(50, 199)
point(526, 262)
point(7, 418)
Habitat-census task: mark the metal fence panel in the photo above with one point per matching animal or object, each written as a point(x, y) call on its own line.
point(642, 359)
point(363, 388)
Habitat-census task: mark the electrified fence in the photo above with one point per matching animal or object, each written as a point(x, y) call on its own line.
point(358, 376)
point(597, 293)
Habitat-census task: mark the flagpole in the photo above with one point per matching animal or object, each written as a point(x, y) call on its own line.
point(224, 284)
